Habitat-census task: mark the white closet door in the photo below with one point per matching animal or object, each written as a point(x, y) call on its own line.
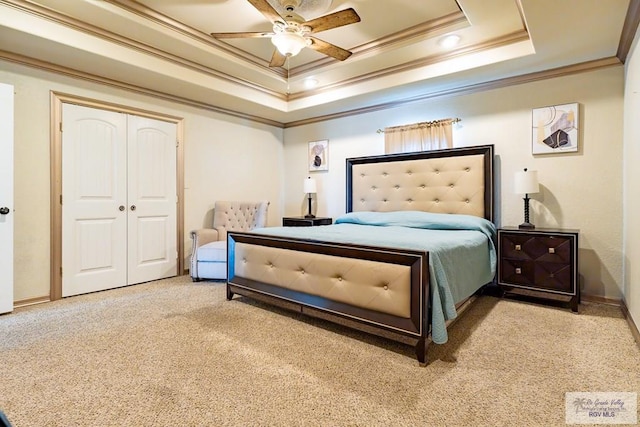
point(94, 205)
point(152, 234)
point(6, 198)
point(119, 211)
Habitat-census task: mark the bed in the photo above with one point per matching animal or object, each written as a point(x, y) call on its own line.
point(417, 241)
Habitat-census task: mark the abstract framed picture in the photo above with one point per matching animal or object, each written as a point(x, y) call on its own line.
point(555, 129)
point(319, 155)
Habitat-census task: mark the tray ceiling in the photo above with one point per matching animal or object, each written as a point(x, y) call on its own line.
point(164, 47)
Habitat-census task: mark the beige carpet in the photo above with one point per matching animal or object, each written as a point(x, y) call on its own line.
point(175, 353)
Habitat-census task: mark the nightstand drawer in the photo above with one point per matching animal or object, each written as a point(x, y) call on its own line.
point(543, 248)
point(544, 275)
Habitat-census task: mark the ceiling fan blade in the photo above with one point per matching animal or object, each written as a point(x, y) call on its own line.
point(240, 35)
point(266, 9)
point(329, 49)
point(278, 59)
point(333, 20)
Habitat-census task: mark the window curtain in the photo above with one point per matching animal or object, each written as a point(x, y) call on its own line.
point(419, 136)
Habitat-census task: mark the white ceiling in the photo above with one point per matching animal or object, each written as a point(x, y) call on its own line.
point(163, 47)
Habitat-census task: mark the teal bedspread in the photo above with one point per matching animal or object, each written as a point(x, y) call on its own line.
point(462, 254)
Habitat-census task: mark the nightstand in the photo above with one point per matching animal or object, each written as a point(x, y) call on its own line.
point(300, 221)
point(544, 260)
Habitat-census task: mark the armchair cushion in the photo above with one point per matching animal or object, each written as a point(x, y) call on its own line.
point(213, 252)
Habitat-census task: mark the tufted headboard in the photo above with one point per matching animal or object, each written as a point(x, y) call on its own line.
point(457, 180)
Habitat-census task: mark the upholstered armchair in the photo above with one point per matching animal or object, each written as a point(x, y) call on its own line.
point(209, 249)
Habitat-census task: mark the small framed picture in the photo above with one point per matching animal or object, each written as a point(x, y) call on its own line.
point(555, 129)
point(319, 155)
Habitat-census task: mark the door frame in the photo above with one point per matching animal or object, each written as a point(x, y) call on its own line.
point(57, 99)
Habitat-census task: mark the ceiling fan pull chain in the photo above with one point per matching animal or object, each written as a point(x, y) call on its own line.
point(288, 68)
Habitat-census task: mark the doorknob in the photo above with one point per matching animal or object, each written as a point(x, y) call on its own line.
point(133, 207)
point(4, 210)
point(121, 208)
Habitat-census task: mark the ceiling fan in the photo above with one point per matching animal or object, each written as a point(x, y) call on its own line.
point(291, 33)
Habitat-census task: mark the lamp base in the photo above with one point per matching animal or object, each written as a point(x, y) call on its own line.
point(309, 216)
point(527, 226)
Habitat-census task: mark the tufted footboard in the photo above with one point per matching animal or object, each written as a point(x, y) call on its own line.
point(381, 291)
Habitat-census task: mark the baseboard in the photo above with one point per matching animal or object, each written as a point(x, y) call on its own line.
point(601, 300)
point(634, 328)
point(31, 301)
point(47, 298)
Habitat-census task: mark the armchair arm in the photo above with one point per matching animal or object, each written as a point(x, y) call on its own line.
point(203, 236)
point(222, 232)
point(199, 238)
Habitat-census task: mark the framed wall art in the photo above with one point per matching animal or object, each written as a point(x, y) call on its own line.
point(555, 129)
point(319, 155)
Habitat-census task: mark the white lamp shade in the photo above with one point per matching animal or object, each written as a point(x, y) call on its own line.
point(289, 44)
point(526, 182)
point(309, 185)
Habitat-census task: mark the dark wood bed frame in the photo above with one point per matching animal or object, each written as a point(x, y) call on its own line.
point(414, 330)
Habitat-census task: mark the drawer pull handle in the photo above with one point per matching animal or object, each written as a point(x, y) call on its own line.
point(518, 271)
point(552, 250)
point(518, 248)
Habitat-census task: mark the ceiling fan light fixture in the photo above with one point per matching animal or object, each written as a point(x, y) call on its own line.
point(292, 32)
point(289, 43)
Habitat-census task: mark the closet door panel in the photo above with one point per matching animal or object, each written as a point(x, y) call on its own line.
point(94, 195)
point(152, 240)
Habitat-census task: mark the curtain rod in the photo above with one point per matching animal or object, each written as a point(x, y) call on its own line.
point(427, 124)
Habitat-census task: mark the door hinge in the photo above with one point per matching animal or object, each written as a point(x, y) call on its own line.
point(177, 143)
point(60, 271)
point(61, 199)
point(60, 126)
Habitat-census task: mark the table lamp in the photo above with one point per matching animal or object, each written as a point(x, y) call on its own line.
point(310, 188)
point(526, 182)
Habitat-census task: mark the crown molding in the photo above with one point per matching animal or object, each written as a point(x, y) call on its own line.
point(473, 88)
point(378, 46)
point(419, 63)
point(178, 27)
point(629, 30)
point(70, 72)
point(77, 25)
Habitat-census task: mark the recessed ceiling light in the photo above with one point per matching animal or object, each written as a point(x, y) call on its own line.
point(310, 83)
point(449, 41)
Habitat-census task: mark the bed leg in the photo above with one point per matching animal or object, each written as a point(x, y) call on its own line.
point(229, 293)
point(421, 351)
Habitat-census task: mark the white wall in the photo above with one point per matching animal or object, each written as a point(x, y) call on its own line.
point(631, 180)
point(578, 190)
point(225, 158)
point(228, 158)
